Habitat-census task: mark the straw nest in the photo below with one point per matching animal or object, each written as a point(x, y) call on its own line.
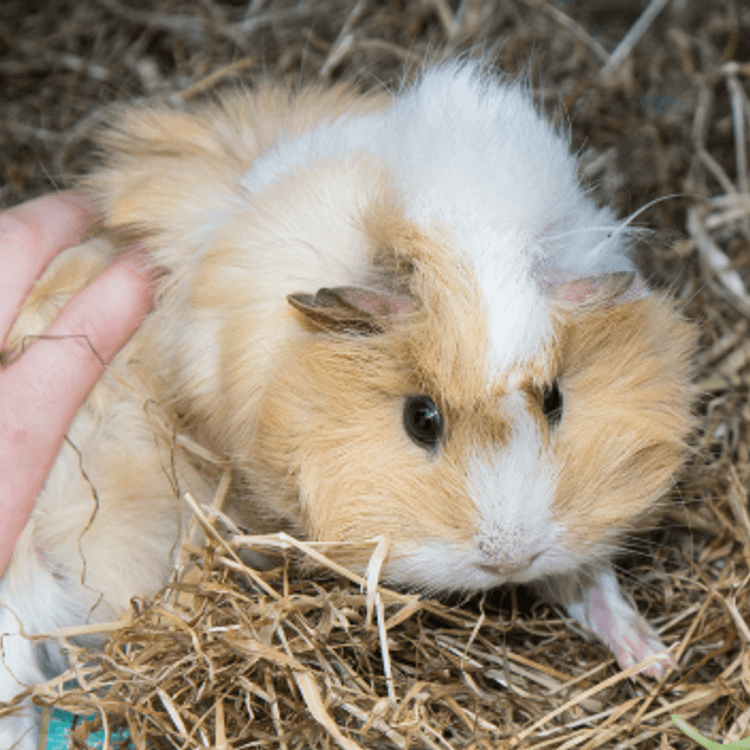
point(656, 94)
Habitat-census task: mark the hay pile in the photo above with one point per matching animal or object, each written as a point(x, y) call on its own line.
point(227, 657)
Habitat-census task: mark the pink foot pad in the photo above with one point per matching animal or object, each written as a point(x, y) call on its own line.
point(630, 638)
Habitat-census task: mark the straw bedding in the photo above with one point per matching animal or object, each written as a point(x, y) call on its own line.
point(658, 99)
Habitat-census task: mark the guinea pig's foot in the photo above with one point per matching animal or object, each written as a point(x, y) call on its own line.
point(611, 617)
point(635, 642)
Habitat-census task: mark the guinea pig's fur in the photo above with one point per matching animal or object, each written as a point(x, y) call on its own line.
point(391, 314)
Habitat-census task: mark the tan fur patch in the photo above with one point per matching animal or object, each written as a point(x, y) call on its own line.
point(625, 376)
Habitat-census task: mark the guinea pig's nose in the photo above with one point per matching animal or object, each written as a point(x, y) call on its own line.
point(505, 563)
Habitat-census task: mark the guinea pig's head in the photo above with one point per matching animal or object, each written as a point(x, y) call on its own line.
point(489, 446)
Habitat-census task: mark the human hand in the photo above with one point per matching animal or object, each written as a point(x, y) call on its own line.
point(41, 391)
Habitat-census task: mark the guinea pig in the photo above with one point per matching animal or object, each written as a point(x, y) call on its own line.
point(391, 314)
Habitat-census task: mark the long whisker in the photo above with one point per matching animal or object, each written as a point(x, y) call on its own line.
point(621, 226)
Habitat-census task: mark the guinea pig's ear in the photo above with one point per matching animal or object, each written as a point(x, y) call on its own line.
point(352, 309)
point(607, 288)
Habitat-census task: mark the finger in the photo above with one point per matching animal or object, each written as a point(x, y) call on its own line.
point(30, 236)
point(42, 390)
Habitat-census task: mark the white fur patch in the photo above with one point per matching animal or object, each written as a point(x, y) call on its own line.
point(470, 156)
point(513, 490)
point(39, 612)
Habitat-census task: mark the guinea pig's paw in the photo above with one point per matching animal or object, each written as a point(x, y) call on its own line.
point(631, 639)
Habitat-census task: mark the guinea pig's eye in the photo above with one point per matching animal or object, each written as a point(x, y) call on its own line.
point(422, 421)
point(552, 404)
